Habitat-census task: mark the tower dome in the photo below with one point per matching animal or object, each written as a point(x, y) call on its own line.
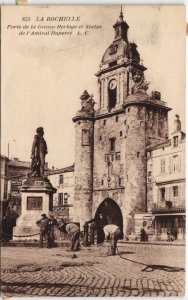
point(120, 47)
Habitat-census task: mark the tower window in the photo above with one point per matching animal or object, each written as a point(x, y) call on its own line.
point(85, 137)
point(116, 118)
point(128, 109)
point(107, 157)
point(118, 155)
point(104, 123)
point(120, 181)
point(121, 133)
point(149, 176)
point(138, 154)
point(175, 141)
point(113, 63)
point(102, 182)
point(113, 49)
point(100, 138)
point(112, 144)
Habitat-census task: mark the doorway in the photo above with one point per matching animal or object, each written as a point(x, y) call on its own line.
point(112, 212)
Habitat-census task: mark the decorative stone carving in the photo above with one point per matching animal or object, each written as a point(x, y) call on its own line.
point(87, 101)
point(132, 53)
point(177, 123)
point(113, 49)
point(140, 84)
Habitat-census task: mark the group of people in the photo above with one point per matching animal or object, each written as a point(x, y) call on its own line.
point(105, 232)
point(47, 225)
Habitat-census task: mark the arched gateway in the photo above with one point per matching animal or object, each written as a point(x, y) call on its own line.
point(111, 211)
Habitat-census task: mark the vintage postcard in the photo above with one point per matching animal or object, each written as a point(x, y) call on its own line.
point(93, 150)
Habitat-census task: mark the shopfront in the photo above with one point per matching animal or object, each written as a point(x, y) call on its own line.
point(170, 224)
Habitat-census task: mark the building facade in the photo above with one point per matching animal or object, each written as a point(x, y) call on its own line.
point(63, 200)
point(4, 177)
point(17, 172)
point(112, 140)
point(4, 187)
point(166, 185)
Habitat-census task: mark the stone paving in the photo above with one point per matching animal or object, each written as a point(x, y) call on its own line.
point(142, 270)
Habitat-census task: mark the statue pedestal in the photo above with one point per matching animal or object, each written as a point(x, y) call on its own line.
point(37, 198)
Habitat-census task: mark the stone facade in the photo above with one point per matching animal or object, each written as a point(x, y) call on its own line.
point(166, 184)
point(63, 200)
point(111, 170)
point(4, 177)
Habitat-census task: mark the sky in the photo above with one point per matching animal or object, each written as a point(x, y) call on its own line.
point(43, 77)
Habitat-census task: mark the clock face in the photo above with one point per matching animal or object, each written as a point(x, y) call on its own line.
point(112, 84)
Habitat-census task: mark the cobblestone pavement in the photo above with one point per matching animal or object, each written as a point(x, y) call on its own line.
point(159, 271)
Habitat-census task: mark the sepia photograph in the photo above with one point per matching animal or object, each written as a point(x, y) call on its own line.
point(93, 151)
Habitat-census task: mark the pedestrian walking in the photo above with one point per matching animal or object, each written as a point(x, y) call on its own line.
point(113, 233)
point(9, 222)
point(73, 232)
point(44, 231)
point(144, 232)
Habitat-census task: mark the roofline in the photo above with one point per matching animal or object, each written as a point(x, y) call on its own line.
point(4, 157)
point(62, 170)
point(158, 146)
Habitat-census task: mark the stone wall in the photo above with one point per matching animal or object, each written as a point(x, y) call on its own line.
point(156, 125)
point(83, 171)
point(135, 158)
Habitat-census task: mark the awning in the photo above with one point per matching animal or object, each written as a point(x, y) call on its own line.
point(171, 214)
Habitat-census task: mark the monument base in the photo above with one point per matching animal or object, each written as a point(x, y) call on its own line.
point(37, 199)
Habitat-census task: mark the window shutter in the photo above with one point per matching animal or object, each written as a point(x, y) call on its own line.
point(167, 194)
point(181, 196)
point(170, 164)
point(158, 195)
point(170, 194)
point(179, 164)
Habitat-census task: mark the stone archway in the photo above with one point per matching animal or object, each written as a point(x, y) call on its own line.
point(111, 211)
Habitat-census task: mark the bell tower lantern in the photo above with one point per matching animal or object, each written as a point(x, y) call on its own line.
point(121, 28)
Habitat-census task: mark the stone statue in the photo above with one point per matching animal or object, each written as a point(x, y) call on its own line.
point(141, 85)
point(87, 101)
point(177, 123)
point(38, 152)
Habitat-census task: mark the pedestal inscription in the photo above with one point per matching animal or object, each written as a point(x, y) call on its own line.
point(34, 203)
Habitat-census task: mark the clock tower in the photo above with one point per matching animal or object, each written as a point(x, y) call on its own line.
point(126, 120)
point(114, 76)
